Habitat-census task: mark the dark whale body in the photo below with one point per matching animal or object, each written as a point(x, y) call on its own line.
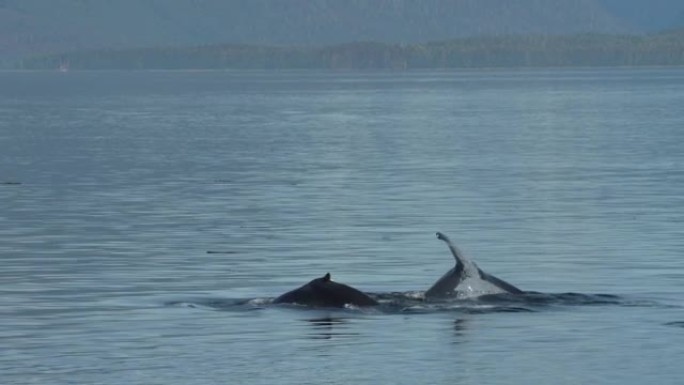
point(323, 292)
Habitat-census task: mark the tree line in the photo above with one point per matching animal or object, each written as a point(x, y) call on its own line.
point(483, 52)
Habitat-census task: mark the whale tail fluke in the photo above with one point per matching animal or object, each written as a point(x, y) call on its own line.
point(455, 251)
point(467, 278)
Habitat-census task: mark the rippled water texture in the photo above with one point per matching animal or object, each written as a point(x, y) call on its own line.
point(147, 219)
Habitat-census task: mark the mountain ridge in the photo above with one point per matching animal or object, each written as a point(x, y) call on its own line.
point(33, 27)
point(582, 50)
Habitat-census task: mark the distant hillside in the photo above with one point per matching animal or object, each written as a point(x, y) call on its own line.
point(661, 49)
point(29, 27)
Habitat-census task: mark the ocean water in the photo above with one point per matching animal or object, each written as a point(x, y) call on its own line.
point(140, 210)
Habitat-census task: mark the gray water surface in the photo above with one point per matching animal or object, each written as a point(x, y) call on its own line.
point(115, 185)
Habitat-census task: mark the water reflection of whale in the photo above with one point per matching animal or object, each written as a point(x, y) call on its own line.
point(327, 327)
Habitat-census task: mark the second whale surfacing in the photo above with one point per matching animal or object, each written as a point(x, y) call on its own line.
point(465, 287)
point(324, 292)
point(466, 280)
point(463, 281)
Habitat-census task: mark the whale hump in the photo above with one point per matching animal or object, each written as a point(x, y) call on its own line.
point(324, 292)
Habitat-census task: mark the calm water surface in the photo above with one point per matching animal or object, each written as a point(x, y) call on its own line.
point(114, 185)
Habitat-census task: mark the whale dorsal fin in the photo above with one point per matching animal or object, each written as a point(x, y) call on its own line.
point(326, 277)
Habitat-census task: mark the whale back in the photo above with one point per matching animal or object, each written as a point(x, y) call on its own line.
point(324, 292)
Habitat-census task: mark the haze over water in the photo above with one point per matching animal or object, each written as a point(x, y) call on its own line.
point(114, 185)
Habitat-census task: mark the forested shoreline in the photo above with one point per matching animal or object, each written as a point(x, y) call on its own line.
point(664, 49)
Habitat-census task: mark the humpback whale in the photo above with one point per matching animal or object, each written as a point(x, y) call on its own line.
point(466, 280)
point(323, 292)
